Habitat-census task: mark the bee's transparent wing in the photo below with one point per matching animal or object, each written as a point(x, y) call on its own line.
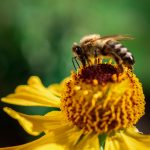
point(117, 37)
point(105, 39)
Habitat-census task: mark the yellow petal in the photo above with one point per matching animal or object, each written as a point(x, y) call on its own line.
point(57, 89)
point(63, 138)
point(42, 143)
point(89, 142)
point(67, 136)
point(130, 139)
point(35, 124)
point(33, 94)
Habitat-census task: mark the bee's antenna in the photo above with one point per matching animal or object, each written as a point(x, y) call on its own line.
point(74, 59)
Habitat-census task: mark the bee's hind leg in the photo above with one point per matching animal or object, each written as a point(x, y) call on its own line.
point(119, 62)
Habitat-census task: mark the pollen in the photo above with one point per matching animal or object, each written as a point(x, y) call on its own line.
point(98, 99)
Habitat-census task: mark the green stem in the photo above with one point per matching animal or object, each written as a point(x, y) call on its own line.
point(102, 139)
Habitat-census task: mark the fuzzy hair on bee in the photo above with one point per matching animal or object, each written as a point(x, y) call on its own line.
point(95, 46)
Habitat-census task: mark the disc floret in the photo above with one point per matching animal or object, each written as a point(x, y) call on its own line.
point(98, 99)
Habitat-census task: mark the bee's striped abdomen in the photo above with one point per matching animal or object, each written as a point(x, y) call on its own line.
point(121, 51)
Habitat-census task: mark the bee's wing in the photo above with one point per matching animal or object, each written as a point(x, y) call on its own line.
point(104, 39)
point(116, 37)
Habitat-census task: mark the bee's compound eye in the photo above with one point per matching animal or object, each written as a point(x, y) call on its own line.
point(78, 50)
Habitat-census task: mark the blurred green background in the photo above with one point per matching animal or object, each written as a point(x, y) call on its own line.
point(36, 38)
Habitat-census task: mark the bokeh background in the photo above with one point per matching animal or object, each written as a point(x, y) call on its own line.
point(36, 38)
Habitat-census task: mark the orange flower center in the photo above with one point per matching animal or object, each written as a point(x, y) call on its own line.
point(97, 99)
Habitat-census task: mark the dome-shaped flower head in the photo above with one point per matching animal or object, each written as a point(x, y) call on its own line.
point(99, 109)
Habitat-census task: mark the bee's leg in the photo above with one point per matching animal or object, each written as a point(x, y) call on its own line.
point(86, 61)
point(119, 62)
point(89, 62)
point(95, 57)
point(95, 61)
point(83, 61)
point(129, 66)
point(99, 60)
point(74, 59)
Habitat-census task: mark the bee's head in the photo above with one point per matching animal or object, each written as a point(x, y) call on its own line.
point(77, 49)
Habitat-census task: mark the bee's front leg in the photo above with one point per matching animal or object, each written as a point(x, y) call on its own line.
point(89, 62)
point(74, 60)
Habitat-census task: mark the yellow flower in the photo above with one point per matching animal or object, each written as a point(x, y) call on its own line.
point(98, 108)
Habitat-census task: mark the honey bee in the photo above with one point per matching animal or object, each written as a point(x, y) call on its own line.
point(95, 46)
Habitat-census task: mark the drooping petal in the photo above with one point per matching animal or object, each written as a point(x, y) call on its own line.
point(129, 139)
point(89, 142)
point(33, 94)
point(63, 138)
point(57, 89)
point(35, 124)
point(42, 143)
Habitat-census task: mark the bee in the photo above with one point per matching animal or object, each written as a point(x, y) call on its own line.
point(95, 46)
